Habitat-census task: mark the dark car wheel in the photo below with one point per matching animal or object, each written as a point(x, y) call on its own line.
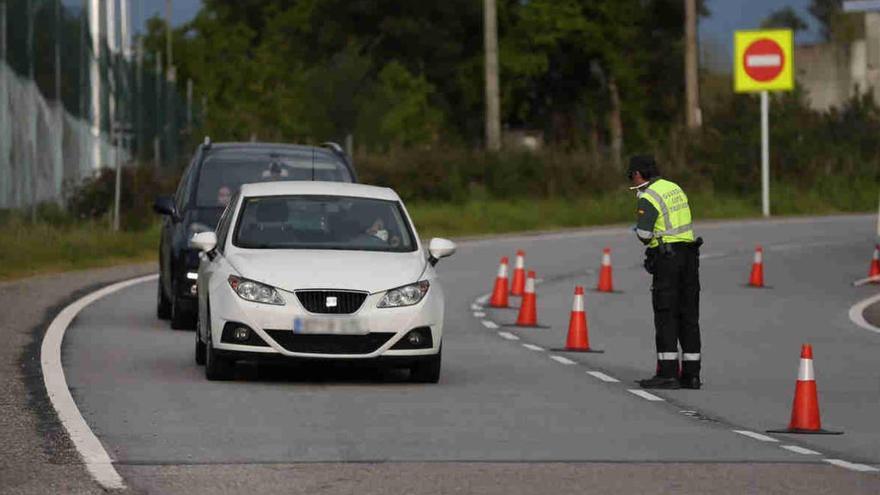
point(216, 367)
point(200, 349)
point(427, 369)
point(163, 305)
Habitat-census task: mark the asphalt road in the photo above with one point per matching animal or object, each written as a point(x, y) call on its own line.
point(512, 419)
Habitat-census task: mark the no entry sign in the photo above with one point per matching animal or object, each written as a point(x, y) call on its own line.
point(763, 61)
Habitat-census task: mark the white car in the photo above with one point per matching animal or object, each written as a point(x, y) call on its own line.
point(318, 270)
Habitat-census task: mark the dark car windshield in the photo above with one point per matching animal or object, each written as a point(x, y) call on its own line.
point(220, 177)
point(323, 222)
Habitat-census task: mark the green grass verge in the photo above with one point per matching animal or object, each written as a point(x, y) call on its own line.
point(28, 249)
point(499, 216)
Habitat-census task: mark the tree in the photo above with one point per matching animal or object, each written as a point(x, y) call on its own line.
point(786, 18)
point(835, 24)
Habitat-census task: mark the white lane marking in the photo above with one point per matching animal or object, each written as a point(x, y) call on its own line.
point(800, 450)
point(645, 395)
point(483, 299)
point(857, 313)
point(863, 468)
point(756, 436)
point(476, 307)
point(95, 457)
point(533, 347)
point(479, 314)
point(867, 280)
point(709, 256)
point(603, 377)
point(490, 324)
point(562, 360)
point(508, 336)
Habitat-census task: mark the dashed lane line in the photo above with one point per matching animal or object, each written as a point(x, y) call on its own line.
point(852, 466)
point(508, 336)
point(800, 450)
point(479, 314)
point(533, 347)
point(476, 307)
point(756, 436)
point(490, 324)
point(645, 395)
point(603, 377)
point(562, 360)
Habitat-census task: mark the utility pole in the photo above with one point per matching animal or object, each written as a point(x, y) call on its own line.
point(32, 170)
point(189, 104)
point(157, 152)
point(493, 104)
point(692, 92)
point(95, 81)
point(168, 49)
point(58, 51)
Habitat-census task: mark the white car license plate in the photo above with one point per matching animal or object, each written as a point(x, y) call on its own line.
point(334, 326)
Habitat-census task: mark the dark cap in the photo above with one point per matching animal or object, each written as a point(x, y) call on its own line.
point(644, 164)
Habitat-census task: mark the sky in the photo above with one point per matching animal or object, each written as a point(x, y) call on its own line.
point(716, 31)
point(727, 16)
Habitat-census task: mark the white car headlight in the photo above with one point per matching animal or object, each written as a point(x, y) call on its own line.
point(405, 296)
point(255, 291)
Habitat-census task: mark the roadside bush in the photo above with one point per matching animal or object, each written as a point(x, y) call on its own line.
point(93, 198)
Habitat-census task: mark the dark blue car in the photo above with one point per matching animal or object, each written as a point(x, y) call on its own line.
point(212, 178)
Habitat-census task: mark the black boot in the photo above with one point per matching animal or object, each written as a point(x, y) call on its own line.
point(691, 382)
point(660, 382)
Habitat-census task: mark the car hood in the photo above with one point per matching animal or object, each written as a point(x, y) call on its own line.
point(330, 269)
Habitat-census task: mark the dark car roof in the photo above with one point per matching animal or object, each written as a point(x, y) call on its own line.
point(249, 148)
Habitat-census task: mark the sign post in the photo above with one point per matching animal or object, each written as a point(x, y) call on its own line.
point(763, 62)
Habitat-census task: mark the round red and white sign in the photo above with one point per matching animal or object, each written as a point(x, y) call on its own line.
point(763, 60)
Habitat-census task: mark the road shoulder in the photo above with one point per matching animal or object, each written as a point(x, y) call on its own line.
point(37, 456)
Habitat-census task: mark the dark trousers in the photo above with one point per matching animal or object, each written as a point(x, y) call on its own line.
point(675, 295)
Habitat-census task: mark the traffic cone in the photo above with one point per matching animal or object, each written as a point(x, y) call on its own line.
point(805, 409)
point(578, 331)
point(874, 271)
point(757, 277)
point(528, 310)
point(519, 275)
point(605, 283)
point(499, 293)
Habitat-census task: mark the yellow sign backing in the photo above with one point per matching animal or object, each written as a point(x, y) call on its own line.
point(763, 61)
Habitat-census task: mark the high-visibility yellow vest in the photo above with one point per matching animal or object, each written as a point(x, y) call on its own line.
point(674, 221)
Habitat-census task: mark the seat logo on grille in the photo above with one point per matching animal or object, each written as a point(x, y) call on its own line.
point(331, 302)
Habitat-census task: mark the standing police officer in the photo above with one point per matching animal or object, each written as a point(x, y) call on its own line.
point(672, 257)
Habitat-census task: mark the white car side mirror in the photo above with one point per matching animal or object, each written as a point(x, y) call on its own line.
point(204, 241)
point(440, 248)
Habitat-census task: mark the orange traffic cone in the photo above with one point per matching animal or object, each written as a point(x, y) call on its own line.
point(805, 409)
point(528, 310)
point(578, 331)
point(874, 271)
point(757, 277)
point(518, 284)
point(499, 293)
point(605, 283)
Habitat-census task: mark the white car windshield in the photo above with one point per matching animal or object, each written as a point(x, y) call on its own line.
point(323, 222)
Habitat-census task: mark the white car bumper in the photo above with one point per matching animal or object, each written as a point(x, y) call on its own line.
point(386, 327)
